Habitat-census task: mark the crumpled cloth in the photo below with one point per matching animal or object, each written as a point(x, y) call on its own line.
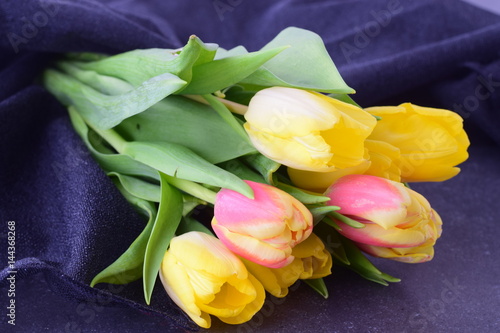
point(71, 222)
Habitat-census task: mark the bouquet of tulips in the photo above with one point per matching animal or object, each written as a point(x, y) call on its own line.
point(298, 175)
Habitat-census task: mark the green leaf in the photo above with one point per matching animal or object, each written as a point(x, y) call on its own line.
point(178, 161)
point(227, 116)
point(331, 223)
point(190, 203)
point(189, 224)
point(306, 197)
point(105, 84)
point(104, 111)
point(350, 222)
point(219, 74)
point(138, 66)
point(128, 267)
point(318, 285)
point(197, 126)
point(263, 165)
point(306, 64)
point(239, 94)
point(332, 241)
point(109, 161)
point(165, 225)
point(361, 265)
point(241, 170)
point(138, 187)
point(320, 212)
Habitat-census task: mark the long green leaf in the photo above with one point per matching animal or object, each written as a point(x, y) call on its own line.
point(228, 117)
point(138, 187)
point(109, 161)
point(218, 74)
point(241, 170)
point(361, 265)
point(189, 224)
point(178, 161)
point(138, 66)
point(197, 126)
point(350, 222)
point(303, 196)
point(105, 84)
point(105, 111)
point(306, 64)
point(318, 285)
point(332, 241)
point(165, 225)
point(319, 212)
point(263, 165)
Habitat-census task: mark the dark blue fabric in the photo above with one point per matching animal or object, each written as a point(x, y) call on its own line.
point(71, 222)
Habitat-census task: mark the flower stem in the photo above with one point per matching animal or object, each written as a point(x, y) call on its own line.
point(112, 137)
point(232, 106)
point(192, 188)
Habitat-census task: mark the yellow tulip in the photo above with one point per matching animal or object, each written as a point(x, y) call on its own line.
point(312, 261)
point(381, 161)
point(307, 130)
point(431, 141)
point(204, 278)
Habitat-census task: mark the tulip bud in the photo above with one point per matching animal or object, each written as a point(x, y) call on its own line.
point(399, 223)
point(431, 141)
point(312, 261)
point(204, 278)
point(264, 229)
point(307, 130)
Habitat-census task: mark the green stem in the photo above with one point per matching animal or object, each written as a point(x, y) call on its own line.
point(192, 188)
point(112, 137)
point(232, 106)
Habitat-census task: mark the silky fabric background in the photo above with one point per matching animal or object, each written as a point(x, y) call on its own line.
point(71, 222)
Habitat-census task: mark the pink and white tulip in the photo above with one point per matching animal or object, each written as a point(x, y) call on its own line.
point(264, 229)
point(399, 222)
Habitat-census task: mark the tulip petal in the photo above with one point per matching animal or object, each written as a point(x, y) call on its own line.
point(320, 181)
point(173, 278)
point(252, 248)
point(205, 249)
point(408, 255)
point(204, 284)
point(290, 112)
point(307, 130)
point(231, 299)
point(370, 198)
point(384, 159)
point(250, 309)
point(432, 141)
point(269, 278)
point(293, 150)
point(372, 234)
point(261, 217)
